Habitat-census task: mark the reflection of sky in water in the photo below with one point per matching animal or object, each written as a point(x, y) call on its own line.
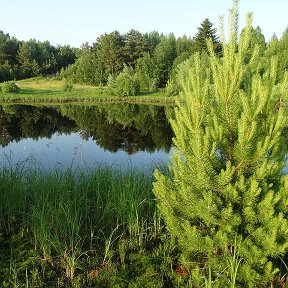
point(65, 151)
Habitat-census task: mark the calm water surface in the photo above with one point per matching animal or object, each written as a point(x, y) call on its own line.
point(71, 136)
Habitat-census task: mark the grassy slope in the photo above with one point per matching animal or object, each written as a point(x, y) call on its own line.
point(49, 90)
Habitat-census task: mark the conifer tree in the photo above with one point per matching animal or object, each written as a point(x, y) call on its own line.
point(206, 31)
point(226, 193)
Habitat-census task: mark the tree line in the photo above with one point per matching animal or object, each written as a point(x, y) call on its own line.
point(153, 57)
point(25, 59)
point(153, 54)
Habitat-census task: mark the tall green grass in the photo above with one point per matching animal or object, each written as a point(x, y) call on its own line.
point(74, 212)
point(69, 228)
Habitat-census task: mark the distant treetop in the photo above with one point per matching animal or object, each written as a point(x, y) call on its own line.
point(206, 31)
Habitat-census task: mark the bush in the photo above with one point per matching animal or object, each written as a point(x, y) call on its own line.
point(67, 85)
point(10, 87)
point(125, 84)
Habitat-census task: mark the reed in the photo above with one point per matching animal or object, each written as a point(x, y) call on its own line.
point(72, 213)
point(13, 204)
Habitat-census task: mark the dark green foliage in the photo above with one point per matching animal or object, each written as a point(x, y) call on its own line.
point(135, 45)
point(127, 127)
point(25, 121)
point(93, 64)
point(184, 45)
point(6, 72)
point(109, 52)
point(8, 49)
point(64, 57)
point(10, 87)
point(164, 56)
point(23, 59)
point(36, 58)
point(205, 32)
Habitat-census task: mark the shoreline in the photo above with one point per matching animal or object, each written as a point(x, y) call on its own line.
point(43, 90)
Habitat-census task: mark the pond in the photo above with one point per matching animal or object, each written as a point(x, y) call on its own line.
point(71, 136)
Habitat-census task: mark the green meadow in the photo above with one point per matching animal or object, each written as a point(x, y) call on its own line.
point(46, 90)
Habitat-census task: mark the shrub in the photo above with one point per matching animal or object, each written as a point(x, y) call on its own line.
point(67, 85)
point(10, 87)
point(125, 84)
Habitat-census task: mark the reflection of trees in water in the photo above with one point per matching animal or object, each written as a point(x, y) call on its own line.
point(25, 121)
point(119, 126)
point(129, 127)
point(5, 137)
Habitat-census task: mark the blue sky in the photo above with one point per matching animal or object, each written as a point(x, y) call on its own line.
point(75, 22)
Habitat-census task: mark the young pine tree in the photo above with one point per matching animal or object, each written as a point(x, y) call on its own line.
point(226, 183)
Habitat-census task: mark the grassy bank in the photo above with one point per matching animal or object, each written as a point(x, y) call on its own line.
point(44, 90)
point(83, 229)
point(98, 228)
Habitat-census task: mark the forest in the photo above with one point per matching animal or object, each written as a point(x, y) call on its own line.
point(152, 58)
